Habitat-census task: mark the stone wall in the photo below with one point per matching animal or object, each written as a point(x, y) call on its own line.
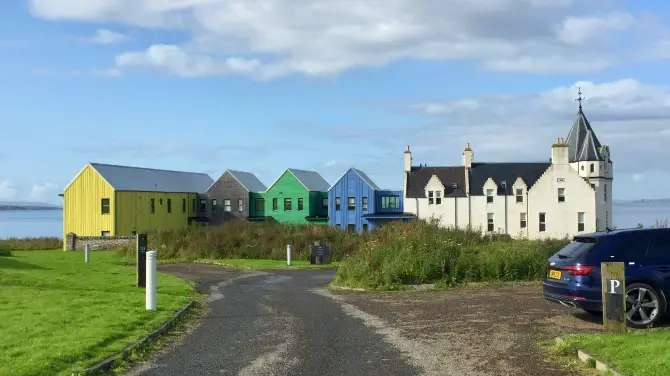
point(98, 243)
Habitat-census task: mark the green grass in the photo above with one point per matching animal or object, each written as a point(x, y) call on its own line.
point(638, 353)
point(60, 315)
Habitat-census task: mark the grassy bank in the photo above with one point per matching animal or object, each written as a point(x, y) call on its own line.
point(60, 315)
point(639, 353)
point(422, 252)
point(31, 243)
point(245, 240)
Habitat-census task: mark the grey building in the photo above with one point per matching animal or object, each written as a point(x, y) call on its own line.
point(230, 197)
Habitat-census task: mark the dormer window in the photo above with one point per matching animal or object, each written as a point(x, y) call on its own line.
point(489, 196)
point(438, 197)
point(454, 185)
point(519, 195)
point(431, 197)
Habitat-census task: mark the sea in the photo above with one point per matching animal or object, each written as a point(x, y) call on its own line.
point(37, 223)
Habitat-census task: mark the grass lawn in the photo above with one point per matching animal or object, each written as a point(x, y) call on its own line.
point(639, 353)
point(60, 315)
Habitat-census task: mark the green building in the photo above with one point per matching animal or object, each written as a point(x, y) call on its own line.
point(298, 196)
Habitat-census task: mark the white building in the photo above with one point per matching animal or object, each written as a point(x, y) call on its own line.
point(569, 195)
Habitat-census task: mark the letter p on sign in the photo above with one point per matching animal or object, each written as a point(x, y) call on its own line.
point(614, 287)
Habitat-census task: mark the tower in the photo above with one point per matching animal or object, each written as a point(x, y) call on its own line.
point(592, 161)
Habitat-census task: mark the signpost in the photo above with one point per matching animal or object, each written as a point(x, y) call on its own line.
point(320, 254)
point(141, 247)
point(613, 278)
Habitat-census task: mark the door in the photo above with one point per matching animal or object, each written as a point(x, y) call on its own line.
point(351, 229)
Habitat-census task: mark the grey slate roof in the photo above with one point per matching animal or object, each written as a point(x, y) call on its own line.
point(126, 178)
point(583, 145)
point(530, 172)
point(418, 177)
point(248, 180)
point(311, 180)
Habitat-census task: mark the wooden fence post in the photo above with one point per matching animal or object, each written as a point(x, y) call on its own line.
point(613, 279)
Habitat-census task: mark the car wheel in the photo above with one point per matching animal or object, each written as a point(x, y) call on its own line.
point(594, 313)
point(644, 306)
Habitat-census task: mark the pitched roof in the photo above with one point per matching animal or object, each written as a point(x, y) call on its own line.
point(418, 177)
point(311, 180)
point(583, 145)
point(248, 180)
point(530, 172)
point(363, 177)
point(126, 178)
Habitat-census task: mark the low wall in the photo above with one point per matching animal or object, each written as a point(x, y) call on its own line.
point(101, 243)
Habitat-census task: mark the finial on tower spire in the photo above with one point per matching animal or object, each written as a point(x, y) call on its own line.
point(580, 99)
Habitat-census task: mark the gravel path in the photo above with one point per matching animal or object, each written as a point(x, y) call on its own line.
point(286, 323)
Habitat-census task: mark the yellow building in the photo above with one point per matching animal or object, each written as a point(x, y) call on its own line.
point(110, 200)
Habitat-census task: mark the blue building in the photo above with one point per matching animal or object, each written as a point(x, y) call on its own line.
point(357, 204)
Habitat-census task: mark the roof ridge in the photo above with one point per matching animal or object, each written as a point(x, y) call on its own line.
point(145, 168)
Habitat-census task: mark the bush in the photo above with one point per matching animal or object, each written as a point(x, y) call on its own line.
point(424, 252)
point(30, 244)
point(242, 239)
point(5, 252)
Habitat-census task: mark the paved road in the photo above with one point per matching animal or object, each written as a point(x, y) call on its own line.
point(277, 323)
point(285, 323)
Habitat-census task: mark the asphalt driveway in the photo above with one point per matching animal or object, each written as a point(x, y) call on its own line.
point(286, 323)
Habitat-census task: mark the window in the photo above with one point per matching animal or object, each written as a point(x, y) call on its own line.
point(324, 203)
point(203, 205)
point(576, 248)
point(260, 204)
point(365, 204)
point(160, 201)
point(337, 203)
point(275, 205)
point(215, 205)
point(489, 222)
point(560, 180)
point(438, 197)
point(390, 202)
point(153, 206)
point(592, 168)
point(104, 233)
point(431, 198)
point(489, 196)
point(543, 223)
point(300, 203)
point(561, 194)
point(660, 244)
point(365, 227)
point(607, 218)
point(183, 205)
point(580, 221)
point(240, 205)
point(193, 206)
point(632, 246)
point(519, 195)
point(605, 187)
point(351, 229)
point(582, 167)
point(523, 221)
point(227, 205)
point(104, 206)
point(169, 205)
point(351, 203)
point(287, 204)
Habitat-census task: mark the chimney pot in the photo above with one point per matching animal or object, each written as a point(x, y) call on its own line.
point(407, 149)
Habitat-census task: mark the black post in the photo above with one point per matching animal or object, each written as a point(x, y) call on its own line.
point(141, 247)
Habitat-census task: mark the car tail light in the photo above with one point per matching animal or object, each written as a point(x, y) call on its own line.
point(578, 269)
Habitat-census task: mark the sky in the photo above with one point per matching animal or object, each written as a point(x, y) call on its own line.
point(324, 85)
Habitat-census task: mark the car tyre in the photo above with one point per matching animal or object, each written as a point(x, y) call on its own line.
point(645, 313)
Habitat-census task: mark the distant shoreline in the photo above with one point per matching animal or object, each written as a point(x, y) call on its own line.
point(23, 208)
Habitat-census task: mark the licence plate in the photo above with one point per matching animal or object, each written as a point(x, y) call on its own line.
point(555, 274)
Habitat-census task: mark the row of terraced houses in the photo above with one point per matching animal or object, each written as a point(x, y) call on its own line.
point(569, 194)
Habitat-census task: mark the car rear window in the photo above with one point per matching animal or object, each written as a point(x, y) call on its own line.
point(576, 248)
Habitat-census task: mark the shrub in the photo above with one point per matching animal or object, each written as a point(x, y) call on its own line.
point(30, 244)
point(5, 252)
point(423, 252)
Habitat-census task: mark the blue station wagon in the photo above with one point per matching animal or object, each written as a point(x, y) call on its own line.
point(573, 273)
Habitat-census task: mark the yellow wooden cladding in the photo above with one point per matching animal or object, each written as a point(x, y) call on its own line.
point(82, 205)
point(133, 211)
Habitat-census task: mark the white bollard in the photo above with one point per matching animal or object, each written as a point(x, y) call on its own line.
point(151, 281)
point(288, 255)
point(87, 253)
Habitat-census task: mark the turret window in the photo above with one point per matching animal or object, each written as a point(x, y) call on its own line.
point(605, 187)
point(592, 168)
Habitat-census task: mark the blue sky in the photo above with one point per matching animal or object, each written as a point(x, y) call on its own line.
point(206, 85)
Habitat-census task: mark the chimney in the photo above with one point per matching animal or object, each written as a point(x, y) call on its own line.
point(408, 160)
point(559, 152)
point(468, 156)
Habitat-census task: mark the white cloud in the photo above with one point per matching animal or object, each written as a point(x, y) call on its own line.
point(42, 192)
point(330, 163)
point(7, 190)
point(273, 38)
point(104, 36)
point(638, 177)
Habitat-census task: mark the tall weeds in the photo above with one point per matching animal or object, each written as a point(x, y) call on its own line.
point(31, 244)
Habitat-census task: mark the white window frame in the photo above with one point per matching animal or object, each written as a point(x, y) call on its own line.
point(490, 222)
point(523, 220)
point(227, 205)
point(561, 194)
point(489, 196)
point(581, 226)
point(431, 197)
point(438, 198)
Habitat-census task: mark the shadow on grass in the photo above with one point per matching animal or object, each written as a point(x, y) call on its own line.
point(11, 263)
point(598, 319)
